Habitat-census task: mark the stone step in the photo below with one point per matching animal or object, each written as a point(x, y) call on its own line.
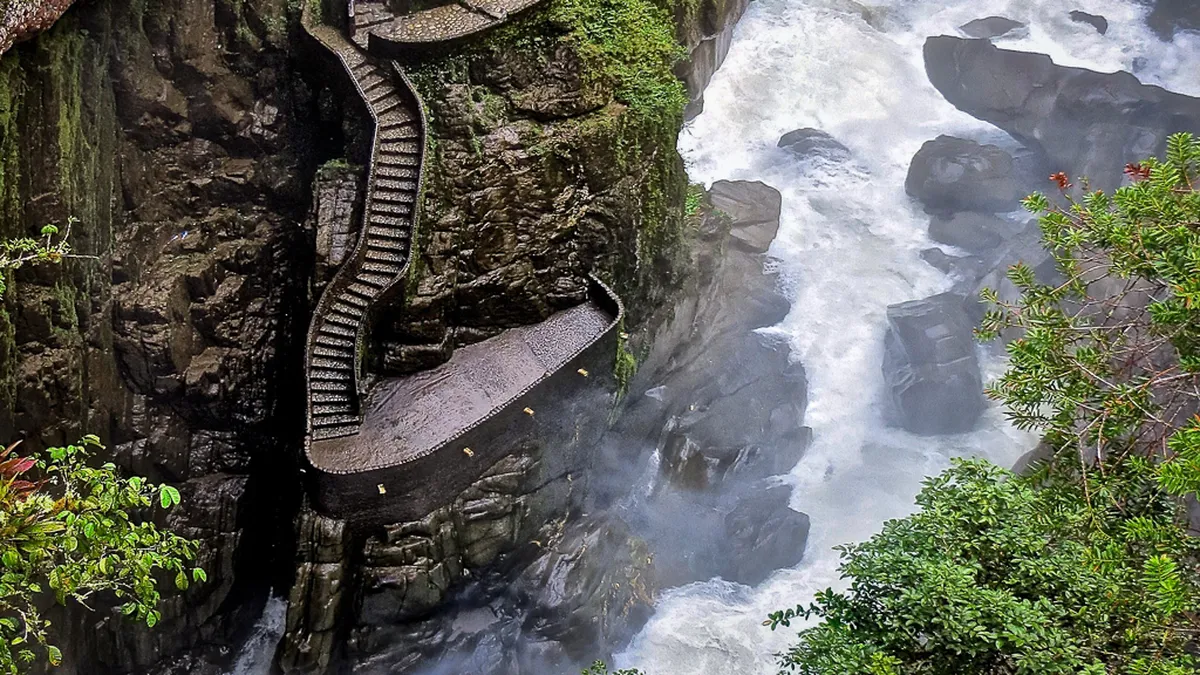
point(324, 433)
point(385, 256)
point(387, 102)
point(343, 376)
point(325, 351)
point(332, 342)
point(387, 244)
point(362, 290)
point(389, 269)
point(378, 90)
point(392, 148)
point(331, 386)
point(397, 171)
point(400, 160)
point(399, 132)
point(354, 299)
point(373, 279)
point(396, 182)
point(333, 397)
point(387, 237)
point(388, 209)
point(333, 409)
point(343, 308)
point(336, 318)
point(395, 223)
point(394, 196)
point(346, 362)
point(334, 420)
point(340, 331)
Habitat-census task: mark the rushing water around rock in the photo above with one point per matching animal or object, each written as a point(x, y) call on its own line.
point(849, 246)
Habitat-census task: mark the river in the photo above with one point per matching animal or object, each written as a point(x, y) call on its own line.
point(849, 246)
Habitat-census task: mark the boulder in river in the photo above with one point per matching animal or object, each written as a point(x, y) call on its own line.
point(1085, 123)
point(953, 174)
point(753, 207)
point(808, 143)
point(1169, 16)
point(1098, 22)
point(930, 366)
point(991, 27)
point(763, 534)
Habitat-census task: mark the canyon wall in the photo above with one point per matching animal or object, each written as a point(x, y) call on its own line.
point(202, 146)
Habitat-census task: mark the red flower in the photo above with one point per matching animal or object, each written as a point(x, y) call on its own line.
point(1137, 172)
point(1061, 179)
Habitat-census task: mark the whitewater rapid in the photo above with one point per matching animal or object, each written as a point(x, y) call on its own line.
point(849, 246)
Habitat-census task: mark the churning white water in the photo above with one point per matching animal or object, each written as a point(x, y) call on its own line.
point(849, 246)
point(259, 649)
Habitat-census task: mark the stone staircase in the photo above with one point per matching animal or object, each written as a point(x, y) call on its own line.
point(381, 256)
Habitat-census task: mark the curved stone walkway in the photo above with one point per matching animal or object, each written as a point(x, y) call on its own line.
point(398, 450)
point(376, 27)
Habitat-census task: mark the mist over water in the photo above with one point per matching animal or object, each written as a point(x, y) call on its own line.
point(849, 246)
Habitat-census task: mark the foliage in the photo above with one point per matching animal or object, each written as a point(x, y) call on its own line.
point(1084, 565)
point(51, 247)
point(632, 43)
point(72, 531)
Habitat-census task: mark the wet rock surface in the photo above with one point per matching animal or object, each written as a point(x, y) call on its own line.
point(811, 143)
point(1170, 16)
point(930, 365)
point(951, 174)
point(1085, 123)
point(992, 27)
point(1094, 20)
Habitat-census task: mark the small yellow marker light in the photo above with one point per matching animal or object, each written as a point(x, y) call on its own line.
point(529, 411)
point(468, 452)
point(382, 490)
point(582, 372)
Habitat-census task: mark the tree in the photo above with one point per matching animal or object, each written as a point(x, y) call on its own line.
point(70, 530)
point(1085, 564)
point(74, 531)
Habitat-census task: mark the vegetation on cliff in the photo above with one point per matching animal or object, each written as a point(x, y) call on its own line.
point(1084, 564)
point(73, 531)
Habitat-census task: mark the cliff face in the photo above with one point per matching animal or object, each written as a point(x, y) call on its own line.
point(185, 138)
point(176, 133)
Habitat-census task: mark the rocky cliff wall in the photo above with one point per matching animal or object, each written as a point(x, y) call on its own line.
point(185, 137)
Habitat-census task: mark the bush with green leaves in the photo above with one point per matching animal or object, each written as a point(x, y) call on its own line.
point(72, 530)
point(1084, 564)
point(52, 246)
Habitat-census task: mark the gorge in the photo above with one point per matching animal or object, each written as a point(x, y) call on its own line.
point(454, 368)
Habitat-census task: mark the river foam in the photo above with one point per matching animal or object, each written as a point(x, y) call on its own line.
point(849, 246)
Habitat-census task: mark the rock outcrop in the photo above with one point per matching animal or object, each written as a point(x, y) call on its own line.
point(706, 31)
point(951, 174)
point(1085, 123)
point(991, 27)
point(930, 365)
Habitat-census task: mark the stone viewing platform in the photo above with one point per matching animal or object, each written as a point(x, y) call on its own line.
point(394, 449)
point(426, 436)
point(377, 28)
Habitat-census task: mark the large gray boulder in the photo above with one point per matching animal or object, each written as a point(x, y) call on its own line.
point(763, 534)
point(1086, 123)
point(753, 207)
point(991, 27)
point(930, 366)
point(953, 174)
